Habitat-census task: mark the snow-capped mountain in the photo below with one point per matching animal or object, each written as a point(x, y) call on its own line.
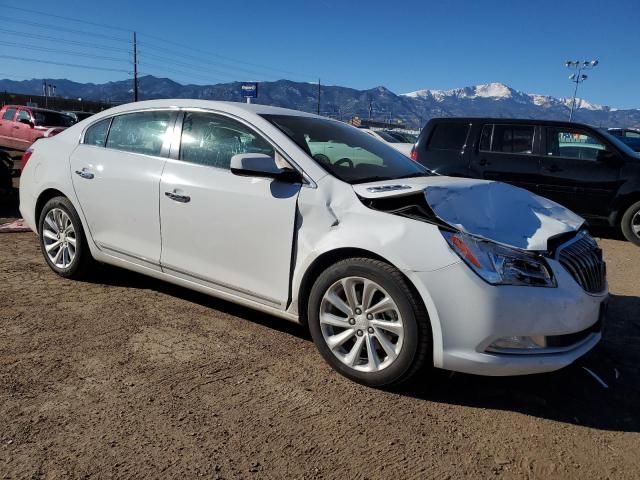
point(412, 109)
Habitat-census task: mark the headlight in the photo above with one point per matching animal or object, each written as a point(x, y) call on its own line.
point(499, 265)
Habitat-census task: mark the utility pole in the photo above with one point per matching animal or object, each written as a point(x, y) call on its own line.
point(135, 68)
point(318, 96)
point(370, 108)
point(578, 77)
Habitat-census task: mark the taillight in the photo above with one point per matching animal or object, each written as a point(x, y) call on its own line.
point(26, 156)
point(414, 154)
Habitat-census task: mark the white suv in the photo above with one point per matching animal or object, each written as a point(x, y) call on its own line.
point(391, 268)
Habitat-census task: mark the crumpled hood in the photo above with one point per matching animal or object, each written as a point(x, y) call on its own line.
point(491, 210)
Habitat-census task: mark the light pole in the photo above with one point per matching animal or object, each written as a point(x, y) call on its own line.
point(578, 77)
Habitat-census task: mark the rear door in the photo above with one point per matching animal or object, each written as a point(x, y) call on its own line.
point(229, 232)
point(579, 171)
point(116, 175)
point(508, 153)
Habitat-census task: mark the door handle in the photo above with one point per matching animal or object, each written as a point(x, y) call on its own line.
point(177, 197)
point(554, 168)
point(16, 126)
point(483, 162)
point(85, 174)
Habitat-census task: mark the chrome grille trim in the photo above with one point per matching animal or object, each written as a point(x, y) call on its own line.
point(582, 258)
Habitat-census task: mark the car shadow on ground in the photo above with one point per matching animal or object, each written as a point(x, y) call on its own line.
point(571, 395)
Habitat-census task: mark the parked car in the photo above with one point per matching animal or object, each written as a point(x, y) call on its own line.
point(389, 266)
point(394, 140)
point(585, 169)
point(20, 126)
point(77, 115)
point(630, 136)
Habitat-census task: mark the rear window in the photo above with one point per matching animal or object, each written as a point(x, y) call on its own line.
point(52, 119)
point(448, 136)
point(507, 138)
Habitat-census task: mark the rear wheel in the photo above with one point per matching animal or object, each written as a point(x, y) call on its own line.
point(62, 239)
point(631, 223)
point(368, 323)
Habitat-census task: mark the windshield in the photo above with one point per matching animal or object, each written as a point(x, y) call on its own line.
point(52, 119)
point(388, 137)
point(346, 152)
point(404, 137)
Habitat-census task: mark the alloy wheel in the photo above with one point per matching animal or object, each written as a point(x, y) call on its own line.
point(361, 324)
point(59, 238)
point(635, 224)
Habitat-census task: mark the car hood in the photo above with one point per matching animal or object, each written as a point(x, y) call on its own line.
point(494, 211)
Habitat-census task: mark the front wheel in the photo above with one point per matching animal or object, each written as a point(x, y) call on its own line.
point(368, 323)
point(631, 223)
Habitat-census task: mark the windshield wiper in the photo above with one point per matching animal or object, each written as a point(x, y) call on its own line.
point(370, 179)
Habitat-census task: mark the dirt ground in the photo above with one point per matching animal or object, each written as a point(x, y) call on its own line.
point(125, 376)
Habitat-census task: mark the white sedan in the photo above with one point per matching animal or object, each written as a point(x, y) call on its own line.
point(390, 267)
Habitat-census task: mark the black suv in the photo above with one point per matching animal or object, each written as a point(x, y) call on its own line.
point(583, 168)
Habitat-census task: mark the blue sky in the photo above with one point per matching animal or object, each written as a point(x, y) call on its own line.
point(403, 45)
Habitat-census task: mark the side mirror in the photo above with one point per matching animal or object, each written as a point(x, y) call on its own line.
point(261, 165)
point(607, 156)
point(26, 121)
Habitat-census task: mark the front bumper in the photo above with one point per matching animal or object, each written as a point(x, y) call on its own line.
point(471, 315)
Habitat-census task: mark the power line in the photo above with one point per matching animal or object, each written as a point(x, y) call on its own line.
point(216, 69)
point(69, 18)
point(62, 40)
point(63, 29)
point(75, 65)
point(64, 52)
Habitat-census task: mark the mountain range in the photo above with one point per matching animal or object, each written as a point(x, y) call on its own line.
point(412, 109)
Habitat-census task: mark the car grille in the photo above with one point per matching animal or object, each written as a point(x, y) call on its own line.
point(582, 258)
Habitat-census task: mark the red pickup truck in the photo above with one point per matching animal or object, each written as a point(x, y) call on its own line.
point(20, 126)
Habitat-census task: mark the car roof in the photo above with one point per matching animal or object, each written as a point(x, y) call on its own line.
point(524, 121)
point(230, 107)
point(37, 109)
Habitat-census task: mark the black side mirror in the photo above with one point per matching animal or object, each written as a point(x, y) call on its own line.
point(26, 121)
point(261, 165)
point(608, 156)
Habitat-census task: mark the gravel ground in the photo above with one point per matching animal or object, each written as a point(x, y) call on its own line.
point(125, 376)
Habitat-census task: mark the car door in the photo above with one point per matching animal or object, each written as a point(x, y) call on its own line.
point(231, 233)
point(508, 153)
point(116, 175)
point(6, 128)
point(579, 171)
point(23, 132)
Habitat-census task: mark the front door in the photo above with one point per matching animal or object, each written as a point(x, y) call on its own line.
point(579, 171)
point(228, 232)
point(508, 153)
point(116, 175)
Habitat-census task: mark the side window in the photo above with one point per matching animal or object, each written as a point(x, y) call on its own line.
point(96, 134)
point(632, 134)
point(485, 138)
point(512, 139)
point(212, 140)
point(9, 113)
point(141, 132)
point(573, 143)
point(448, 136)
point(23, 115)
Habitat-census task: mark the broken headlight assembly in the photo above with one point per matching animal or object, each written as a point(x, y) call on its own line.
point(500, 265)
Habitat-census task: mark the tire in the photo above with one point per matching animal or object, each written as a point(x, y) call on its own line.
point(60, 217)
point(409, 353)
point(631, 223)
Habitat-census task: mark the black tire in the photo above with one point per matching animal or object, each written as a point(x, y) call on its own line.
point(630, 219)
point(416, 350)
point(83, 261)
